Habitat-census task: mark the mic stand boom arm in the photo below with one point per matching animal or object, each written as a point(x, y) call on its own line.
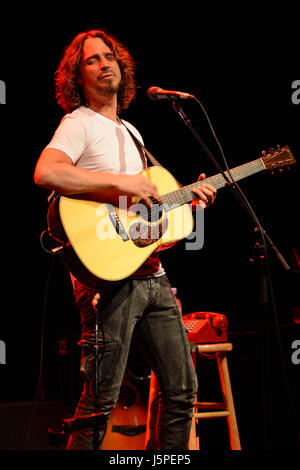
point(231, 184)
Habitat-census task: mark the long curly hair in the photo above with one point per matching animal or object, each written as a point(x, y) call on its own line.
point(68, 91)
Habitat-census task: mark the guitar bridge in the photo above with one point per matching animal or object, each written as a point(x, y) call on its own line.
point(115, 219)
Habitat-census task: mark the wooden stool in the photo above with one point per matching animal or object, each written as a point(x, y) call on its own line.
point(206, 332)
point(227, 406)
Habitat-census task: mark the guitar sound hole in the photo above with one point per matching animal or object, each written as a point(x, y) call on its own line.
point(127, 397)
point(150, 214)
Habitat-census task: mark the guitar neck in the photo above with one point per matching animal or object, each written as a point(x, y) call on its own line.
point(185, 195)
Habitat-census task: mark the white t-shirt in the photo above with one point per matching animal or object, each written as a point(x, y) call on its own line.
point(96, 143)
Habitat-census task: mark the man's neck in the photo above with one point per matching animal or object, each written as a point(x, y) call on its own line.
point(105, 107)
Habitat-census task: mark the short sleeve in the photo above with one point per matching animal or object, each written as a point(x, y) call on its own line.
point(70, 138)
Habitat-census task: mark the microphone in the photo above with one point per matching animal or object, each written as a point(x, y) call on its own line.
point(156, 93)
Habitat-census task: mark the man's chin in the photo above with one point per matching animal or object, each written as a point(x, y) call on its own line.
point(109, 87)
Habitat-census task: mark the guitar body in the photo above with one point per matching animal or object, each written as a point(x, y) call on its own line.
point(113, 242)
point(126, 429)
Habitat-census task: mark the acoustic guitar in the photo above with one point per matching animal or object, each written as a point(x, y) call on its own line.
point(126, 429)
point(108, 242)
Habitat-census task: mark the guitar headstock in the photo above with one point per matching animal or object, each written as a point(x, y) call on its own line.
point(278, 158)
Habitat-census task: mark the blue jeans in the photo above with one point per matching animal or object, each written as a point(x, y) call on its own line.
point(146, 308)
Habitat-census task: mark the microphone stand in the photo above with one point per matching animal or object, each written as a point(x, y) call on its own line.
point(265, 284)
point(233, 187)
point(94, 420)
point(97, 362)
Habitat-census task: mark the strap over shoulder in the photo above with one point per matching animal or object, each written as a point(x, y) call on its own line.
point(140, 145)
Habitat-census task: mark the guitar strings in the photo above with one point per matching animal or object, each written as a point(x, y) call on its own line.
point(184, 195)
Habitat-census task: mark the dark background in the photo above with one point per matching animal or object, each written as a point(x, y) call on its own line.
point(241, 66)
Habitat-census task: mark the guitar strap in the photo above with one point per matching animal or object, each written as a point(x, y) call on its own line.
point(140, 146)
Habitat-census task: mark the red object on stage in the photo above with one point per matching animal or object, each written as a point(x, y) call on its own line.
point(206, 327)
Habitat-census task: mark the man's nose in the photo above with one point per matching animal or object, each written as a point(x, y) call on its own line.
point(103, 63)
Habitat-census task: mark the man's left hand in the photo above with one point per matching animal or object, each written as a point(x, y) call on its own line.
point(206, 193)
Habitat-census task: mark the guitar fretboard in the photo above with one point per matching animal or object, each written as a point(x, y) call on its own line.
point(185, 195)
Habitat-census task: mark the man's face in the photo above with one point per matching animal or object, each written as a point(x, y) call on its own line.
point(99, 69)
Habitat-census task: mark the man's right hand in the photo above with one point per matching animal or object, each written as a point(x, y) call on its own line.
point(137, 185)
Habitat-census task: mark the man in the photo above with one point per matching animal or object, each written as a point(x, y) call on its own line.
point(93, 152)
